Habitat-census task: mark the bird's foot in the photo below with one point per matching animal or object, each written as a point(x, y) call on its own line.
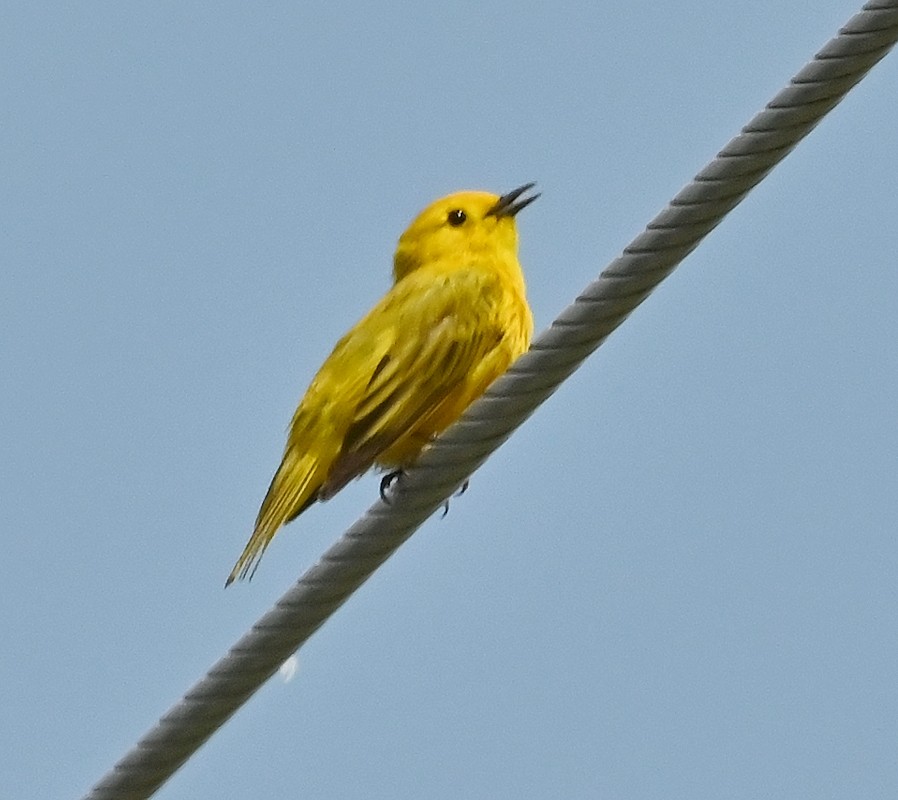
point(386, 484)
point(461, 490)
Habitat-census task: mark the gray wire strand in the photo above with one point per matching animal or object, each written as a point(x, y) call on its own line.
point(555, 354)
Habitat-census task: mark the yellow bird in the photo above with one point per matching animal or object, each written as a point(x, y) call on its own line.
point(454, 320)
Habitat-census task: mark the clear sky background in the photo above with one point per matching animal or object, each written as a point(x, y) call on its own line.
point(677, 580)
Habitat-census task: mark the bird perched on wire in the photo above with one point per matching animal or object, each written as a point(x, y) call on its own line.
point(453, 321)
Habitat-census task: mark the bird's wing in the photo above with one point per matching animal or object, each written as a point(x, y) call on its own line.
point(432, 345)
point(419, 357)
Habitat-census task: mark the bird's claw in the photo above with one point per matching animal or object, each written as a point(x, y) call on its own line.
point(461, 490)
point(386, 484)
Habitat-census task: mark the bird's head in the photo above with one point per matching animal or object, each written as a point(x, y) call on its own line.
point(462, 226)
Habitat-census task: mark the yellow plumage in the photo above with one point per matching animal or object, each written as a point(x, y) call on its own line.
point(454, 320)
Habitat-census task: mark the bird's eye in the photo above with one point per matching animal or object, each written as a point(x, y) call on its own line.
point(456, 217)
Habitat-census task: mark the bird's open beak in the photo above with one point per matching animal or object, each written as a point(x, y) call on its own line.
point(506, 205)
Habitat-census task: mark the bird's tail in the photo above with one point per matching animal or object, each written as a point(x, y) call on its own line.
point(293, 489)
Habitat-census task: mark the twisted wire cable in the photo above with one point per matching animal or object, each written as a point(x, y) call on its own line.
point(554, 355)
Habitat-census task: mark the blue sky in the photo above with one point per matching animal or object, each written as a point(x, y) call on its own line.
point(677, 580)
